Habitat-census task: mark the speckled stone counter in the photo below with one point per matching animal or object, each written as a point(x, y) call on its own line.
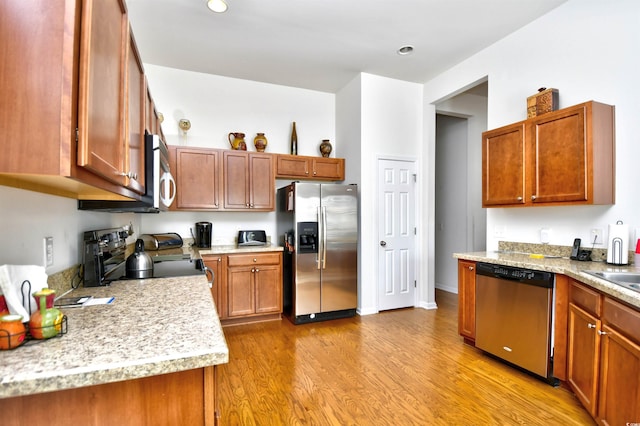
point(229, 249)
point(565, 266)
point(154, 326)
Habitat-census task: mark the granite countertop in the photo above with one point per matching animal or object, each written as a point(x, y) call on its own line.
point(565, 266)
point(197, 253)
point(151, 328)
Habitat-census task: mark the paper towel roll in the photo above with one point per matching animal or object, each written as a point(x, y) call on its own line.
point(618, 249)
point(11, 279)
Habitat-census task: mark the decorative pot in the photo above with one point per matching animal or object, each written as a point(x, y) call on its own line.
point(325, 148)
point(260, 142)
point(12, 331)
point(45, 322)
point(237, 141)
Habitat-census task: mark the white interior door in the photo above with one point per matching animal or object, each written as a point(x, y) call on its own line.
point(396, 234)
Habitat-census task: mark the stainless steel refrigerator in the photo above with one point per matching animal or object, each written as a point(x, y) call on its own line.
point(318, 226)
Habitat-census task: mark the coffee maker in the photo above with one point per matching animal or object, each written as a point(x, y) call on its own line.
point(202, 237)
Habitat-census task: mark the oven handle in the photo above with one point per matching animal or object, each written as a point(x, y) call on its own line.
point(208, 271)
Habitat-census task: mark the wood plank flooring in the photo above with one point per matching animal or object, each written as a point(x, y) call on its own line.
point(404, 367)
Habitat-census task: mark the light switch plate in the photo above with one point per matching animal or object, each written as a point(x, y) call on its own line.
point(48, 251)
point(545, 235)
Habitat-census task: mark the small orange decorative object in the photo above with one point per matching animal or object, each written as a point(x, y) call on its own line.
point(12, 331)
point(260, 142)
point(46, 322)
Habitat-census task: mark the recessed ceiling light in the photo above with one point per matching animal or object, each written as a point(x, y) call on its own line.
point(218, 6)
point(405, 50)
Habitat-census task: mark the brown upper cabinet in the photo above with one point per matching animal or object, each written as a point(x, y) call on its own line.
point(72, 117)
point(249, 181)
point(301, 167)
point(198, 178)
point(559, 158)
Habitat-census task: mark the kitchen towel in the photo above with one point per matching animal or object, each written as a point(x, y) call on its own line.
point(11, 279)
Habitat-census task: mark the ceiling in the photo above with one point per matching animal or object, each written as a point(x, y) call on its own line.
point(323, 44)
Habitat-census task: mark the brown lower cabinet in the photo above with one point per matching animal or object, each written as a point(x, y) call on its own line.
point(604, 356)
point(247, 287)
point(467, 300)
point(596, 345)
point(182, 398)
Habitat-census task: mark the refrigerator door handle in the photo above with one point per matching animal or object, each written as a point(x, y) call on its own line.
point(324, 237)
point(320, 240)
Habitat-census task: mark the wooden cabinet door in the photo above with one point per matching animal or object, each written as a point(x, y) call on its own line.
point(197, 178)
point(292, 166)
point(467, 299)
point(503, 166)
point(214, 263)
point(559, 157)
point(619, 393)
point(137, 96)
point(240, 291)
point(262, 182)
point(583, 356)
point(101, 105)
point(328, 168)
point(268, 284)
point(236, 180)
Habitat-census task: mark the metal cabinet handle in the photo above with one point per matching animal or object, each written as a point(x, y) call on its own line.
point(383, 243)
point(129, 175)
point(600, 332)
point(208, 271)
point(591, 325)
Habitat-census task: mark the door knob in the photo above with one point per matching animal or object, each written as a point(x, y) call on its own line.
point(383, 243)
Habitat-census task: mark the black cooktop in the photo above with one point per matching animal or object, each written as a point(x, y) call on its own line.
point(165, 266)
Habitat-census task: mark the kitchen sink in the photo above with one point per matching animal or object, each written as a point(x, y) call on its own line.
point(630, 280)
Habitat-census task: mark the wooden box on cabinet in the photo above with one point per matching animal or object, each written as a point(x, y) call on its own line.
point(70, 89)
point(467, 300)
point(302, 167)
point(560, 158)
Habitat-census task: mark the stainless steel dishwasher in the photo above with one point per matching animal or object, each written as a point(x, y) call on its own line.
point(514, 316)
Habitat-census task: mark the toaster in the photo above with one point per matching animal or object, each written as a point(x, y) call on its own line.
point(161, 241)
point(252, 238)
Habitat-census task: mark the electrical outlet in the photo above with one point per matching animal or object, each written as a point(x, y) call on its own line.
point(595, 237)
point(48, 251)
point(545, 235)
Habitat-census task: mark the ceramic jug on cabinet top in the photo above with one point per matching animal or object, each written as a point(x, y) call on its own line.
point(237, 141)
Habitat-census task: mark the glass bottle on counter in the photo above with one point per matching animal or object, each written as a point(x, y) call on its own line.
point(294, 140)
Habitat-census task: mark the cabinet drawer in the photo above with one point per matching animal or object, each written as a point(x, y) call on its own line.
point(587, 299)
point(254, 259)
point(621, 317)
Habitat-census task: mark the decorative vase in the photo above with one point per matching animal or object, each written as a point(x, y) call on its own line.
point(237, 142)
point(294, 140)
point(325, 148)
point(12, 331)
point(46, 322)
point(260, 142)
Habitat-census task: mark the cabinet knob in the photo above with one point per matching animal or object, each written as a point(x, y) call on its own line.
point(600, 332)
point(519, 198)
point(533, 197)
point(471, 268)
point(314, 173)
point(257, 270)
point(306, 172)
point(591, 325)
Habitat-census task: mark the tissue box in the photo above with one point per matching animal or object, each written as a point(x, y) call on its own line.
point(546, 100)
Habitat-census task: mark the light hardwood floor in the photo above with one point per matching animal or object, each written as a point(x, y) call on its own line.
point(404, 367)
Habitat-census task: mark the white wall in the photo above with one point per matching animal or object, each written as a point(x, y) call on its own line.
point(218, 105)
point(587, 50)
point(390, 126)
point(27, 217)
